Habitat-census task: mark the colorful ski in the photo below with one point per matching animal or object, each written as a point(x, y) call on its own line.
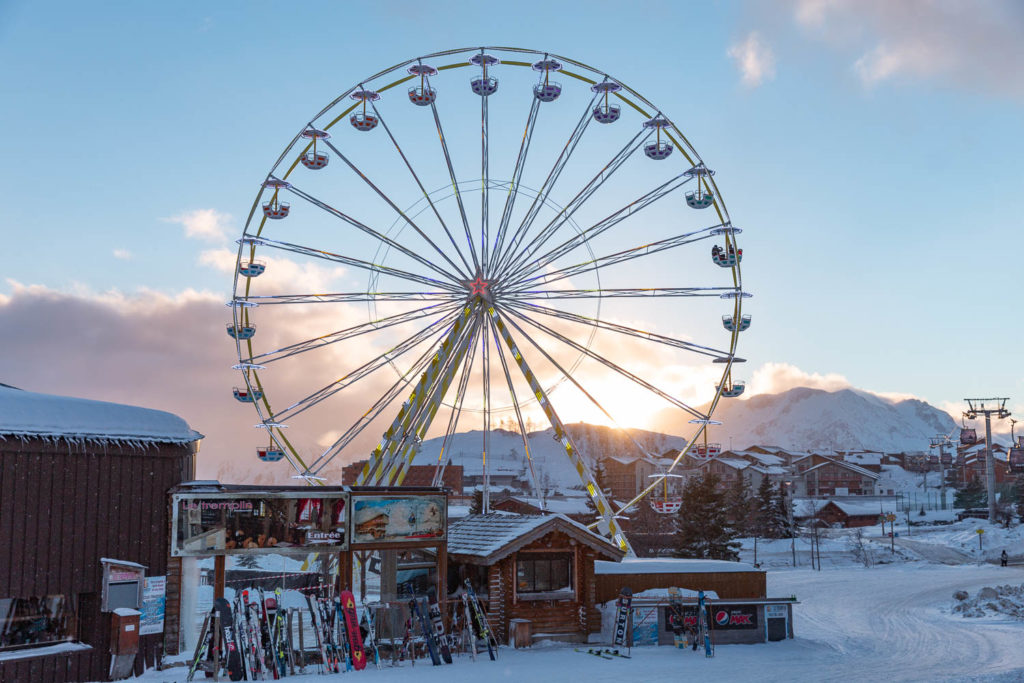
point(483, 628)
point(318, 632)
point(439, 634)
point(371, 636)
point(592, 651)
point(355, 638)
point(204, 644)
point(467, 626)
point(702, 621)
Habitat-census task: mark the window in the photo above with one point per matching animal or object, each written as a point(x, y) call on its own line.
point(544, 573)
point(27, 622)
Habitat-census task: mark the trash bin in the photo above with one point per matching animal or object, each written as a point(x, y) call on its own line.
point(520, 633)
point(124, 641)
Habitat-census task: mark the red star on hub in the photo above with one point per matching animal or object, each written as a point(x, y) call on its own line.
point(478, 287)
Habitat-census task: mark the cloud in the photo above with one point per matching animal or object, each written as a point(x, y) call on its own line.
point(972, 45)
point(282, 274)
point(209, 225)
point(123, 254)
point(774, 378)
point(754, 59)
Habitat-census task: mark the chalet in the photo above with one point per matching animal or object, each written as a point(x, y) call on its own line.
point(836, 478)
point(853, 513)
point(538, 568)
point(627, 475)
point(970, 464)
point(869, 460)
point(727, 469)
point(418, 476)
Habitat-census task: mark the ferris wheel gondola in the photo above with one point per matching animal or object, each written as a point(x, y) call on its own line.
point(463, 314)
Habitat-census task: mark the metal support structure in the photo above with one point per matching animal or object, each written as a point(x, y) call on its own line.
point(988, 407)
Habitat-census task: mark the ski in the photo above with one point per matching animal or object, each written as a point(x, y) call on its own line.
point(341, 634)
point(428, 631)
point(616, 653)
point(482, 627)
point(467, 626)
point(592, 651)
point(236, 670)
point(439, 634)
point(203, 645)
point(371, 636)
point(702, 622)
point(317, 632)
point(623, 604)
point(280, 659)
point(355, 638)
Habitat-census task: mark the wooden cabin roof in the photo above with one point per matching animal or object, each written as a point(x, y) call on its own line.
point(485, 539)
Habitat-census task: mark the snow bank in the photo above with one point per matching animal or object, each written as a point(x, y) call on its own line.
point(1002, 601)
point(648, 565)
point(26, 415)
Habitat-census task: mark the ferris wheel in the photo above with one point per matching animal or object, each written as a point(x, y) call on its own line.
point(431, 251)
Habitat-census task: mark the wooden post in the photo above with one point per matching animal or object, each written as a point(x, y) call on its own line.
point(218, 576)
point(442, 577)
point(345, 570)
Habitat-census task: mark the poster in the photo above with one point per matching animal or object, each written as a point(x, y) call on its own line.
point(228, 524)
point(384, 519)
point(154, 602)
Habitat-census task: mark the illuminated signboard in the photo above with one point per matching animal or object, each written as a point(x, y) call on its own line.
point(238, 523)
point(398, 519)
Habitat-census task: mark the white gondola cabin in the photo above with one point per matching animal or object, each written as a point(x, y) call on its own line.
point(605, 112)
point(246, 396)
point(275, 209)
point(241, 332)
point(422, 95)
point(364, 120)
point(732, 389)
point(727, 323)
point(251, 268)
point(658, 149)
point(666, 507)
point(314, 159)
point(699, 199)
point(547, 90)
point(484, 85)
point(269, 454)
point(727, 257)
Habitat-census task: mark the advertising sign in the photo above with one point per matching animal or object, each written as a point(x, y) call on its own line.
point(722, 617)
point(394, 519)
point(207, 524)
point(775, 611)
point(154, 602)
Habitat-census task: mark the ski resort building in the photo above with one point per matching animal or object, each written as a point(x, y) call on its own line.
point(532, 570)
point(84, 534)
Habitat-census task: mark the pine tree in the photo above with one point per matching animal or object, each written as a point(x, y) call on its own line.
point(703, 522)
point(971, 496)
point(782, 524)
point(477, 506)
point(738, 507)
point(764, 514)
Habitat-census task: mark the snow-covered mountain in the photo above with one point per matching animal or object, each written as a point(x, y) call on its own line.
point(812, 419)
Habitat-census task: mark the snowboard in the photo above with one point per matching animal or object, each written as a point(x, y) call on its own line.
point(702, 622)
point(355, 637)
point(442, 638)
point(623, 605)
point(236, 670)
point(428, 631)
point(676, 618)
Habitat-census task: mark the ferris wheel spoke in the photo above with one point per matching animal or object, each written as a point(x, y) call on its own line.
point(356, 263)
point(456, 412)
point(373, 233)
point(617, 257)
point(595, 183)
point(351, 333)
point(367, 418)
point(637, 292)
point(485, 172)
point(607, 363)
point(346, 297)
point(500, 352)
point(380, 193)
point(568, 375)
point(602, 226)
point(623, 329)
point(548, 185)
point(386, 358)
point(426, 194)
point(517, 174)
point(455, 186)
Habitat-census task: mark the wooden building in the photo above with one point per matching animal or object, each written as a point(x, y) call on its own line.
point(80, 481)
point(532, 567)
point(727, 580)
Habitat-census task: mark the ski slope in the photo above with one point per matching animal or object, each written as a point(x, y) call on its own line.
point(888, 623)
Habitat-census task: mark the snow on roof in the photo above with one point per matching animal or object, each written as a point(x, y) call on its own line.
point(770, 470)
point(850, 466)
point(484, 536)
point(864, 458)
point(654, 565)
point(26, 415)
point(861, 508)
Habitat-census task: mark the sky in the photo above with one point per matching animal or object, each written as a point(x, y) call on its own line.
point(871, 152)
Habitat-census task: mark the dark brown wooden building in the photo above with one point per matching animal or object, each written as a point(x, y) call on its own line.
point(79, 481)
point(538, 568)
